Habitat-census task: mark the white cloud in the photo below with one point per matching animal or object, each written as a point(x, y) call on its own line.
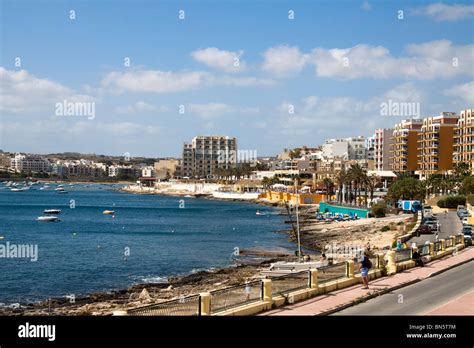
point(443, 12)
point(435, 59)
point(140, 107)
point(227, 61)
point(154, 81)
point(366, 6)
point(209, 110)
point(464, 92)
point(284, 60)
point(239, 81)
point(21, 92)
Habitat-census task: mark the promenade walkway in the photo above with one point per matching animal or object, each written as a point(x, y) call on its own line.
point(327, 303)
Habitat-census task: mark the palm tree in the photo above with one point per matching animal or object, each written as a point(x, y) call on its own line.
point(341, 179)
point(358, 175)
point(328, 184)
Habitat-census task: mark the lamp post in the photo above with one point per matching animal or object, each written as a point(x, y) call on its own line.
point(297, 221)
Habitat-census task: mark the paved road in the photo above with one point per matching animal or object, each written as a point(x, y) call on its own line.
point(421, 297)
point(449, 225)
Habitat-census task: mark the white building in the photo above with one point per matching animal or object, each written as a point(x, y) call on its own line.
point(30, 163)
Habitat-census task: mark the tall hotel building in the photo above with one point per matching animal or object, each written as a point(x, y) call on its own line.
point(382, 143)
point(464, 139)
point(436, 144)
point(404, 147)
point(205, 154)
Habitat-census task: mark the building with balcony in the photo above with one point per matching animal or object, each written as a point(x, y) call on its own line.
point(436, 144)
point(464, 139)
point(30, 164)
point(404, 146)
point(206, 155)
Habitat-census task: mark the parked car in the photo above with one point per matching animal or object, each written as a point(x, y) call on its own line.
point(467, 240)
point(467, 230)
point(424, 229)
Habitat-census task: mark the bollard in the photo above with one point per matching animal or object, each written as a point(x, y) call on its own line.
point(453, 241)
point(391, 265)
point(205, 308)
point(380, 260)
point(443, 244)
point(267, 290)
point(314, 278)
point(432, 251)
point(350, 269)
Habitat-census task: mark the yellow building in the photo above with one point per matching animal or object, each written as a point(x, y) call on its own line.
point(464, 139)
point(435, 144)
point(404, 146)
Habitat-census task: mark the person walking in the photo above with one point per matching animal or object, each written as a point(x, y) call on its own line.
point(364, 265)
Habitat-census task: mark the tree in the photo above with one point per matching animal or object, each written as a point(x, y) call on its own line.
point(329, 185)
point(467, 185)
point(406, 188)
point(295, 153)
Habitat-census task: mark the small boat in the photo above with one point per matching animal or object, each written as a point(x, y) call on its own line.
point(62, 191)
point(188, 196)
point(59, 189)
point(47, 218)
point(17, 190)
point(258, 213)
point(52, 211)
point(284, 268)
point(109, 212)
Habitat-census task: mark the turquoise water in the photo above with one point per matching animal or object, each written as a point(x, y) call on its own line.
point(361, 213)
point(85, 251)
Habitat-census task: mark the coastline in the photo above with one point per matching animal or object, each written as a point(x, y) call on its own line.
point(315, 236)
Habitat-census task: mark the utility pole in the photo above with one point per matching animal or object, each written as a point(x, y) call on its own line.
point(297, 220)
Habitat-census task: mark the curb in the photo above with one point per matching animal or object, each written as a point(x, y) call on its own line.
point(385, 291)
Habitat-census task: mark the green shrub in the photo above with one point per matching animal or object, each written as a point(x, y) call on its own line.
point(379, 209)
point(385, 228)
point(470, 199)
point(442, 203)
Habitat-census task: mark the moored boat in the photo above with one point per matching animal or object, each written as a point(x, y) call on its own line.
point(47, 218)
point(52, 211)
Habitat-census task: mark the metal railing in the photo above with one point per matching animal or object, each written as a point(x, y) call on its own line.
point(375, 264)
point(332, 272)
point(403, 255)
point(234, 296)
point(437, 246)
point(290, 282)
point(424, 250)
point(187, 306)
point(458, 239)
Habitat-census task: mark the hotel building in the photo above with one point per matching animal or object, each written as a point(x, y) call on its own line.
point(435, 144)
point(464, 139)
point(404, 146)
point(206, 154)
point(382, 142)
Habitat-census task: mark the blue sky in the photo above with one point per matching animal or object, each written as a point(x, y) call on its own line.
point(334, 64)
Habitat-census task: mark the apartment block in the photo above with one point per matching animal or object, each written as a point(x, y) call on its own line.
point(207, 154)
point(382, 143)
point(464, 139)
point(404, 146)
point(436, 144)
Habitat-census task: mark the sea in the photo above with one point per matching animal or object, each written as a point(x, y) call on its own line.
point(147, 240)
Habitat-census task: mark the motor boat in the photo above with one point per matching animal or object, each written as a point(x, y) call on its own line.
point(47, 218)
point(52, 211)
point(59, 188)
point(62, 191)
point(108, 212)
